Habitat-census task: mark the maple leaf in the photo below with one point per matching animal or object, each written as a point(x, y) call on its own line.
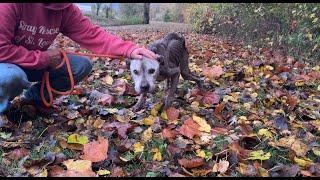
point(204, 126)
point(212, 72)
point(210, 98)
point(191, 163)
point(189, 128)
point(78, 168)
point(172, 114)
point(169, 134)
point(121, 128)
point(96, 151)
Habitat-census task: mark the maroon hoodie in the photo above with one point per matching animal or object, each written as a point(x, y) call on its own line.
point(28, 29)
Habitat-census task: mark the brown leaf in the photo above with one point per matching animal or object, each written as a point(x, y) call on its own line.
point(210, 98)
point(189, 128)
point(246, 129)
point(172, 113)
point(191, 163)
point(212, 72)
point(169, 134)
point(96, 151)
point(106, 99)
point(292, 102)
point(117, 172)
point(121, 128)
point(18, 153)
point(218, 111)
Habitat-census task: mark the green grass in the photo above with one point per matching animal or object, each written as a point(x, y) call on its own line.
point(219, 142)
point(69, 153)
point(278, 155)
point(134, 166)
point(37, 154)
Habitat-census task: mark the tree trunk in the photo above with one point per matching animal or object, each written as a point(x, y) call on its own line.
point(146, 13)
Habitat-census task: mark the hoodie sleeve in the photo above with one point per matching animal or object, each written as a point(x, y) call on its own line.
point(92, 37)
point(10, 53)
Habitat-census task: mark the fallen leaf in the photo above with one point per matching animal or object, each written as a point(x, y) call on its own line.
point(96, 151)
point(265, 132)
point(148, 121)
point(17, 154)
point(218, 111)
point(138, 147)
point(78, 139)
point(259, 155)
point(212, 72)
point(303, 162)
point(191, 163)
point(204, 126)
point(103, 172)
point(299, 148)
point(157, 154)
point(189, 128)
point(221, 167)
point(147, 135)
point(201, 153)
point(172, 114)
point(210, 98)
point(78, 168)
point(169, 134)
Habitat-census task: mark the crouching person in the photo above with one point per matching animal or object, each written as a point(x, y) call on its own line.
point(26, 32)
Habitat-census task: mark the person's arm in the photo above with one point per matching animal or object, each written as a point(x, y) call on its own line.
point(10, 53)
point(92, 37)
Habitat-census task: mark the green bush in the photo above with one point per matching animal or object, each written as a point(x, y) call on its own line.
point(293, 28)
point(167, 16)
point(130, 20)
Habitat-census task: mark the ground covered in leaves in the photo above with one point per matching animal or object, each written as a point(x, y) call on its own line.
point(258, 116)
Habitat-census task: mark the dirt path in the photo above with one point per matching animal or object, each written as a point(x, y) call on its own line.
point(153, 26)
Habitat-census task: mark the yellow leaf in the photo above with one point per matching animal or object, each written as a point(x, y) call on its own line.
point(164, 115)
point(303, 162)
point(195, 104)
point(122, 119)
point(78, 165)
point(247, 106)
point(148, 121)
point(228, 74)
point(254, 155)
point(204, 126)
point(157, 154)
point(299, 148)
point(103, 172)
point(299, 83)
point(138, 147)
point(147, 135)
point(316, 151)
point(201, 153)
point(265, 132)
point(155, 109)
point(108, 80)
point(78, 139)
point(286, 142)
point(248, 70)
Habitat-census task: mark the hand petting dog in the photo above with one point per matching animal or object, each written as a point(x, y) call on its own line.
point(139, 53)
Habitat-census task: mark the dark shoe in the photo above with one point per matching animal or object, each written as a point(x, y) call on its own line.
point(38, 106)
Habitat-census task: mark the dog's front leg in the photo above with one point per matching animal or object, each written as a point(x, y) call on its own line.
point(174, 81)
point(140, 103)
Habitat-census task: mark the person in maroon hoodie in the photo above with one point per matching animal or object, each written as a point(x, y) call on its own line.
point(26, 32)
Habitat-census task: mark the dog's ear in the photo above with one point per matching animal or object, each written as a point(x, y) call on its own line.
point(128, 62)
point(160, 59)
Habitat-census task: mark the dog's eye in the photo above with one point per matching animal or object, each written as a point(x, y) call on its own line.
point(151, 71)
point(135, 72)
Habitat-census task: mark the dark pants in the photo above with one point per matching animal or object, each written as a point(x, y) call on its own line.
point(59, 79)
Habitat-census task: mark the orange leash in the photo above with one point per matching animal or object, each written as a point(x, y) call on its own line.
point(46, 77)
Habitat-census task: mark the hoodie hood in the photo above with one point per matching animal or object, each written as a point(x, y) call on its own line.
point(56, 6)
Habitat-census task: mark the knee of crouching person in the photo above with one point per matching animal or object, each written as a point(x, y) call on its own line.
point(84, 68)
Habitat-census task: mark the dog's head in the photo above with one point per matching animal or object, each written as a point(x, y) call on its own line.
point(144, 74)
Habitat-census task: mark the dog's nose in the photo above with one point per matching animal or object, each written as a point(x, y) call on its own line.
point(145, 87)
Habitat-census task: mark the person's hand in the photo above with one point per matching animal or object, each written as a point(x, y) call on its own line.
point(55, 58)
point(140, 52)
